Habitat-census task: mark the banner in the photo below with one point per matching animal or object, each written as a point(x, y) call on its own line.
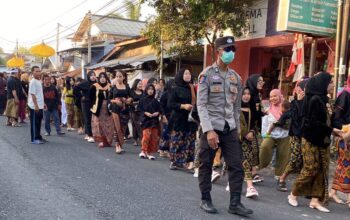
point(316, 17)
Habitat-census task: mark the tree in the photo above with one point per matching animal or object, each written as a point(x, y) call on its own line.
point(133, 10)
point(2, 61)
point(187, 22)
point(23, 50)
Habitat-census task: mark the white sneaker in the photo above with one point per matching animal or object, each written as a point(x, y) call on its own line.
point(228, 187)
point(150, 157)
point(215, 176)
point(91, 140)
point(196, 171)
point(251, 192)
point(86, 137)
point(142, 155)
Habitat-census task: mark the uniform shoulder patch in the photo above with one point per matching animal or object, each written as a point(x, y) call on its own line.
point(204, 74)
point(202, 79)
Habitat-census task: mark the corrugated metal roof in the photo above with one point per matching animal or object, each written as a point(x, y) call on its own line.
point(133, 61)
point(118, 26)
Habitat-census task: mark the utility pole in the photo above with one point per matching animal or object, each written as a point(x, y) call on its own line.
point(57, 46)
point(16, 47)
point(337, 47)
point(89, 37)
point(313, 57)
point(161, 56)
point(344, 42)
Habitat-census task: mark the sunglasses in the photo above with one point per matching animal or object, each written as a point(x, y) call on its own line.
point(230, 48)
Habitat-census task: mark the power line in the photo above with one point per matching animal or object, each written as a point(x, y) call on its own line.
point(62, 14)
point(121, 10)
point(44, 38)
point(114, 11)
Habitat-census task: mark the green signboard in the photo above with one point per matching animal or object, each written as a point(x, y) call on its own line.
point(316, 17)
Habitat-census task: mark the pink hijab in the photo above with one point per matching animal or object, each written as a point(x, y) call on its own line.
point(276, 109)
point(347, 87)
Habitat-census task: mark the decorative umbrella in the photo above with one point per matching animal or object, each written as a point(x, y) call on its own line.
point(15, 62)
point(42, 50)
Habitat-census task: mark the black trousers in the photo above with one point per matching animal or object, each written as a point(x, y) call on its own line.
point(2, 103)
point(231, 151)
point(85, 107)
point(35, 124)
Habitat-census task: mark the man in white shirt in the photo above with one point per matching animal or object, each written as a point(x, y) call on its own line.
point(36, 105)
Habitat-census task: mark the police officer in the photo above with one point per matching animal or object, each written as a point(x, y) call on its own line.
point(219, 104)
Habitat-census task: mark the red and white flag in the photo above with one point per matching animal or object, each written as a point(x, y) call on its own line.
point(297, 67)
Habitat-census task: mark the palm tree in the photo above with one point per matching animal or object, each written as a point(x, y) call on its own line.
point(133, 10)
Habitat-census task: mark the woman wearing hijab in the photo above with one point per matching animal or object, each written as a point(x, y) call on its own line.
point(121, 101)
point(102, 121)
point(84, 89)
point(68, 97)
point(150, 110)
point(296, 160)
point(316, 132)
point(341, 119)
point(183, 133)
point(278, 138)
point(136, 94)
point(166, 113)
point(250, 144)
point(255, 84)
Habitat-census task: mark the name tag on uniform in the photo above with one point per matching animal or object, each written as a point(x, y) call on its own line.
point(216, 88)
point(217, 83)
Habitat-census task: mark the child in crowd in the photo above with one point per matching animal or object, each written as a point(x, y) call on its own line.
point(284, 121)
point(150, 111)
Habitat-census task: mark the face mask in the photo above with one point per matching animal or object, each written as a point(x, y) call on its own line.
point(227, 57)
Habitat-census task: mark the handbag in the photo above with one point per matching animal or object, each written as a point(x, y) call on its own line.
point(191, 117)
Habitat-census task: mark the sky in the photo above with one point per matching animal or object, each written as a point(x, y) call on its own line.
point(31, 21)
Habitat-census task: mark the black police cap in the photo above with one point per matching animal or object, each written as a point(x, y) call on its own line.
point(223, 42)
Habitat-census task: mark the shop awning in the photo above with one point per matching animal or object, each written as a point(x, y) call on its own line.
point(132, 61)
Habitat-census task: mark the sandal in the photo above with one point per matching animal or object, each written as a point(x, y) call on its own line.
point(118, 149)
point(257, 178)
point(16, 125)
point(292, 201)
point(336, 199)
point(101, 145)
point(281, 186)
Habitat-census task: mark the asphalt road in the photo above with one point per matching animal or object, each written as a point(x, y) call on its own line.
point(68, 178)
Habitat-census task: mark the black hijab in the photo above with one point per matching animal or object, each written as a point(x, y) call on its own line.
point(316, 86)
point(179, 78)
point(154, 91)
point(99, 77)
point(245, 104)
point(90, 73)
point(252, 84)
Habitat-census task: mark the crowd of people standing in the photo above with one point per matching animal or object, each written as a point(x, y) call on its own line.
point(189, 122)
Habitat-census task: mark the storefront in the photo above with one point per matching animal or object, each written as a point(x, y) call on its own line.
point(270, 55)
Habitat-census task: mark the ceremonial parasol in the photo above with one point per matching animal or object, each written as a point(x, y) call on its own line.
point(15, 62)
